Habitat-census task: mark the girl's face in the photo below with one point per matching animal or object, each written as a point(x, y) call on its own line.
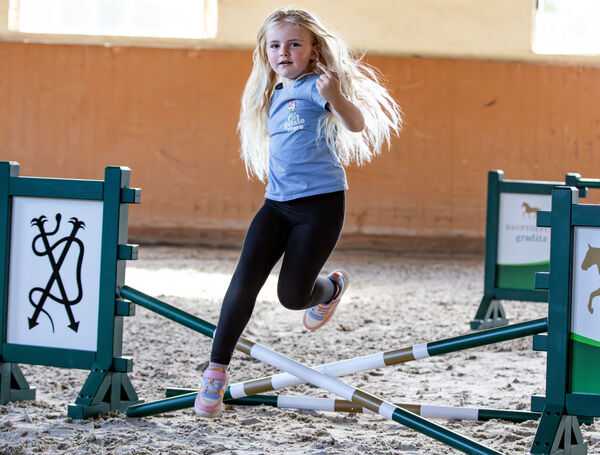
point(290, 50)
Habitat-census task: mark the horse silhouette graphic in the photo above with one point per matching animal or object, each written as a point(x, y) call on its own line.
point(592, 257)
point(528, 210)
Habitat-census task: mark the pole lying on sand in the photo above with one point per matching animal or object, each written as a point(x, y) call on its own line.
point(423, 410)
point(332, 405)
point(394, 357)
point(318, 379)
point(184, 398)
point(427, 411)
point(342, 367)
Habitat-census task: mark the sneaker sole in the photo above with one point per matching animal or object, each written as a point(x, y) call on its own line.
point(330, 315)
point(325, 321)
point(217, 413)
point(210, 415)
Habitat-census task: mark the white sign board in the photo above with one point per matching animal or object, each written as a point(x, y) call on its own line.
point(54, 282)
point(586, 283)
point(520, 241)
point(585, 312)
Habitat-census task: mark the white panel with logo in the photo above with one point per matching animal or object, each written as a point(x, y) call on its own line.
point(520, 241)
point(54, 283)
point(586, 283)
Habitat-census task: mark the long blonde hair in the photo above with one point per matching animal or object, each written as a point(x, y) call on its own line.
point(360, 83)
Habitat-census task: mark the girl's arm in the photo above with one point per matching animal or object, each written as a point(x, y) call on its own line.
point(346, 111)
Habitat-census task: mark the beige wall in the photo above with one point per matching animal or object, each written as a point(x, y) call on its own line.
point(458, 28)
point(171, 114)
point(481, 29)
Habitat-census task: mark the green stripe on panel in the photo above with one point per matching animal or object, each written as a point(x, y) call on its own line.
point(585, 340)
point(585, 366)
point(519, 276)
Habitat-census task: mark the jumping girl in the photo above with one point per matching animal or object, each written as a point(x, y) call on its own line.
point(309, 108)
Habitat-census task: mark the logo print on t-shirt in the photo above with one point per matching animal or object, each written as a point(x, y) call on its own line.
point(294, 121)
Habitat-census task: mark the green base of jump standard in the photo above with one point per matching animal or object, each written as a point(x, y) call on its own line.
point(13, 385)
point(108, 391)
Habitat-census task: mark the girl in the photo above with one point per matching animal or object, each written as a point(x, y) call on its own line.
point(309, 107)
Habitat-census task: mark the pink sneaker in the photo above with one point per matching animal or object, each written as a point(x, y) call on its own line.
point(318, 315)
point(209, 399)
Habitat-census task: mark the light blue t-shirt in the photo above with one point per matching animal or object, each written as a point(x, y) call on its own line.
point(300, 164)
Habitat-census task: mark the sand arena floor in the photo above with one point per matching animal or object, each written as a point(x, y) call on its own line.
point(394, 301)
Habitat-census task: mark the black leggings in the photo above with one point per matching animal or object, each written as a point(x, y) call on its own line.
point(306, 230)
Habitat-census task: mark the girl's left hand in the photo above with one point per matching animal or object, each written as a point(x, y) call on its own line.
point(344, 110)
point(328, 84)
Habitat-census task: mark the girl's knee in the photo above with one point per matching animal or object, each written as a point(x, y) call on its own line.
point(293, 299)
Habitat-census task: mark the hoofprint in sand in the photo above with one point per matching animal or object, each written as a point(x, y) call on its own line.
point(394, 301)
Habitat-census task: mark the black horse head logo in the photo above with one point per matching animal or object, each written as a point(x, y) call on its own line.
point(56, 263)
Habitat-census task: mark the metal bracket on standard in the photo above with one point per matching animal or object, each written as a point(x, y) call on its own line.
point(569, 440)
point(495, 316)
point(540, 343)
